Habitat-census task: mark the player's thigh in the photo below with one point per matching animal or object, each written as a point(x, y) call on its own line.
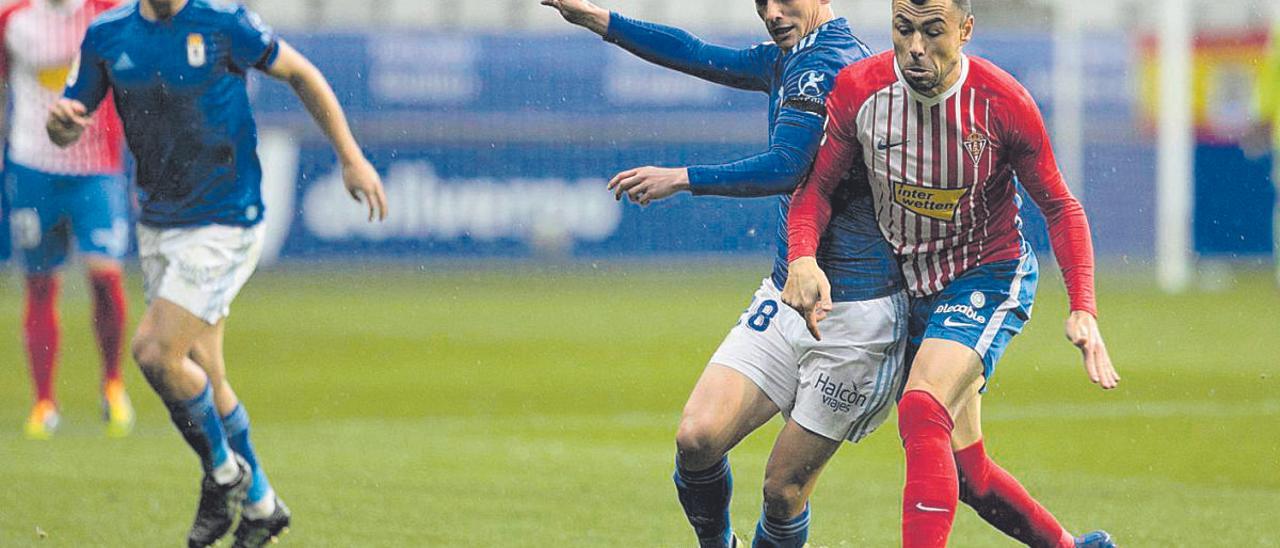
point(949, 371)
point(724, 407)
point(850, 379)
point(201, 269)
point(750, 378)
point(96, 208)
point(968, 325)
point(167, 332)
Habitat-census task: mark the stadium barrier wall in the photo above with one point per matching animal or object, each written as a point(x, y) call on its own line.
point(500, 146)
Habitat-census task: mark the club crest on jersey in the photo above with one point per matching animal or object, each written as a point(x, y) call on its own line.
point(195, 50)
point(811, 83)
point(976, 144)
point(935, 203)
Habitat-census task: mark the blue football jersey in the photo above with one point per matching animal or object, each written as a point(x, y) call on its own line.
point(854, 254)
point(180, 88)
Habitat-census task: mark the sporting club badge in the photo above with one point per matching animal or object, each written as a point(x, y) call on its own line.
point(976, 144)
point(195, 50)
point(811, 83)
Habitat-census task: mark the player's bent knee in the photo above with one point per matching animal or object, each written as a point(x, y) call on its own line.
point(919, 410)
point(698, 445)
point(152, 353)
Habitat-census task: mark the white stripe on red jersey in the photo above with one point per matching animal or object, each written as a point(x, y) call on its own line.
point(41, 41)
point(942, 172)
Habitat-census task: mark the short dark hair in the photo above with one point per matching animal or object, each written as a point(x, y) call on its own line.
point(965, 6)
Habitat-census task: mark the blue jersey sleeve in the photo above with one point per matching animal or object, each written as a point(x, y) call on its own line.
point(793, 138)
point(673, 48)
point(253, 43)
point(88, 82)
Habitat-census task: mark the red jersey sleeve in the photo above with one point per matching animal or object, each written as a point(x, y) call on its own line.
point(1037, 169)
point(811, 202)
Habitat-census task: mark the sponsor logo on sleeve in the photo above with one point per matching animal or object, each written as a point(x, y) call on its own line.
point(811, 83)
point(935, 203)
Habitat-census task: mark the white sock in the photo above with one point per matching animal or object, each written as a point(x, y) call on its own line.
point(227, 472)
point(262, 508)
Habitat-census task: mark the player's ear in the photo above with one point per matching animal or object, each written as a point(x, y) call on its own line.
point(966, 29)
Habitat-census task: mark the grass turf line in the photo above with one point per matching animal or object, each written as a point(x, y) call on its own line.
point(407, 407)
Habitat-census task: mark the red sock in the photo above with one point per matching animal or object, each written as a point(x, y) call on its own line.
point(932, 491)
point(41, 327)
point(1004, 503)
point(109, 319)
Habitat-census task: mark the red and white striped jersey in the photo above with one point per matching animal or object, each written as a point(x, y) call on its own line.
point(942, 172)
point(41, 41)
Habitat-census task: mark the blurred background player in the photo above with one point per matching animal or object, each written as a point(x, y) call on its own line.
point(178, 71)
point(63, 197)
point(830, 391)
point(940, 136)
point(1265, 133)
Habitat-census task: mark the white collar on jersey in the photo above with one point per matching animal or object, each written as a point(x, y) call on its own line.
point(930, 101)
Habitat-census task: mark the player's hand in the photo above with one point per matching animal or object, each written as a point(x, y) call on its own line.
point(1082, 331)
point(809, 292)
point(582, 13)
point(365, 186)
point(67, 120)
point(647, 184)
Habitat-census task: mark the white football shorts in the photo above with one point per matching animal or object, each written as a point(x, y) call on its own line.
point(841, 387)
point(201, 269)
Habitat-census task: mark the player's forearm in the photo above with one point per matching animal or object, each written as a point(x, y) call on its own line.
point(767, 174)
point(775, 171)
point(1073, 247)
point(679, 50)
point(318, 98)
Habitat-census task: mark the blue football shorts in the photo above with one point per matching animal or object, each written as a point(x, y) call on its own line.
point(48, 212)
point(982, 309)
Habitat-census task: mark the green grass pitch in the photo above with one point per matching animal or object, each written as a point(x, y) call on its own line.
point(440, 407)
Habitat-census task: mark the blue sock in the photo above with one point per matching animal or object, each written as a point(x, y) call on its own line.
point(197, 419)
point(705, 497)
point(782, 533)
point(237, 426)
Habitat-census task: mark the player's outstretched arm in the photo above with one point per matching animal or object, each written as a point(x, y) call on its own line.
point(582, 13)
point(1037, 170)
point(68, 119)
point(674, 48)
point(771, 172)
point(309, 84)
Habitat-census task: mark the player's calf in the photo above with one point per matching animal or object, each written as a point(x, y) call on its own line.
point(1003, 502)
